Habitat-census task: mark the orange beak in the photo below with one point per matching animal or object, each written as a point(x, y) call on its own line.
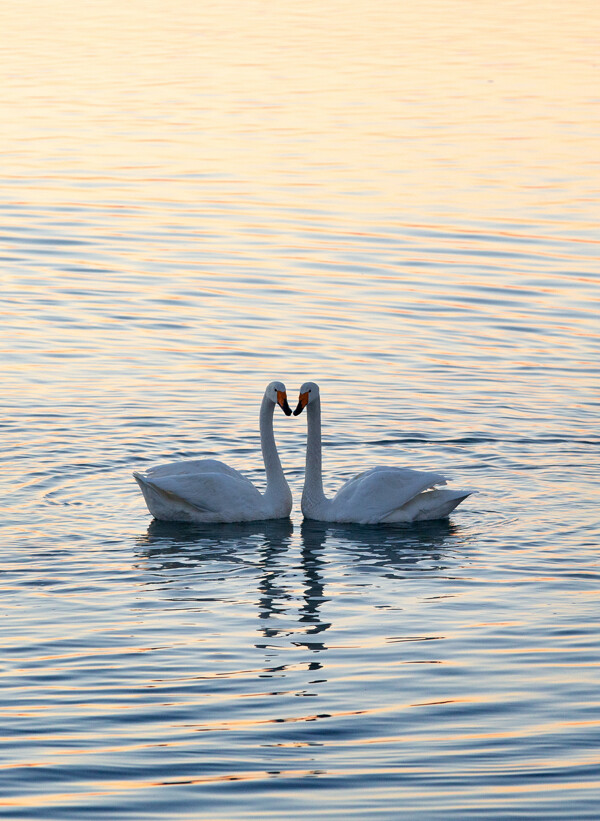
point(283, 403)
point(302, 403)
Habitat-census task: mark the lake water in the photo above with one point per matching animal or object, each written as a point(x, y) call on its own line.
point(400, 202)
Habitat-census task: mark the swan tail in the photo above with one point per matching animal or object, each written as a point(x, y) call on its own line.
point(153, 493)
point(429, 505)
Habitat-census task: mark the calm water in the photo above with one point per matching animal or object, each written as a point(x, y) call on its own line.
point(401, 204)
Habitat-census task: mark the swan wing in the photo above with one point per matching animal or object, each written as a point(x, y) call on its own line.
point(374, 495)
point(220, 494)
point(193, 467)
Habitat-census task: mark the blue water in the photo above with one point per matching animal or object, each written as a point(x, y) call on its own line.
point(197, 201)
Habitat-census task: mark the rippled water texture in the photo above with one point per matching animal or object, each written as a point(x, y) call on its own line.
point(400, 202)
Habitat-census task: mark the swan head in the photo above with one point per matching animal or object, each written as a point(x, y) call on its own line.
point(308, 393)
point(276, 392)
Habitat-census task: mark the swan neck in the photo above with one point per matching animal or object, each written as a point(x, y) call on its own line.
point(313, 478)
point(273, 469)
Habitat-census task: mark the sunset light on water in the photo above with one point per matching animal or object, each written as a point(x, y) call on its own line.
point(398, 202)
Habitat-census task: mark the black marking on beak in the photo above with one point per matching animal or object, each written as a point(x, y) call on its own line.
point(302, 403)
point(283, 404)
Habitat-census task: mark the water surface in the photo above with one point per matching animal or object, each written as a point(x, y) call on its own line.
point(400, 204)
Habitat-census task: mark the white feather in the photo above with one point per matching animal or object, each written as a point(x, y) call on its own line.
point(381, 494)
point(206, 490)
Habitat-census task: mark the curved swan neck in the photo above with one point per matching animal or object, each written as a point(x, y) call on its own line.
point(313, 477)
point(271, 459)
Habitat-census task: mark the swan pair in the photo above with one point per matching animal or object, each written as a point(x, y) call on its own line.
point(206, 490)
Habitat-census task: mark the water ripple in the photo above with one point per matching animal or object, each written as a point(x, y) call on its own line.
point(407, 220)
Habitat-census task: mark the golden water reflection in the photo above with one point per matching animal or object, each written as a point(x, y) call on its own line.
point(469, 107)
point(398, 201)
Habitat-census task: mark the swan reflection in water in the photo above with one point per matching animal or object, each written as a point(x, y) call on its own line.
point(349, 546)
point(414, 546)
point(266, 547)
point(177, 544)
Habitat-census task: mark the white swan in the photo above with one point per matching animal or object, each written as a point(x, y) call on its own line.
point(206, 490)
point(381, 494)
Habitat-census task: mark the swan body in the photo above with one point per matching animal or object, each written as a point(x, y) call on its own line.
point(376, 496)
point(207, 490)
